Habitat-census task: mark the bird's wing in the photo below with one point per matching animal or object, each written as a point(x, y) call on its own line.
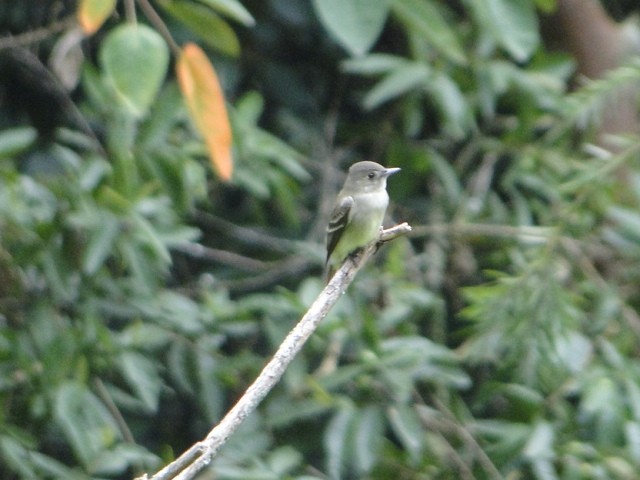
point(337, 223)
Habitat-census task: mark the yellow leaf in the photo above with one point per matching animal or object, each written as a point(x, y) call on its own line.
point(202, 91)
point(92, 14)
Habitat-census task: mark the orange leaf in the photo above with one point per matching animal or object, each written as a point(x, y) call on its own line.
point(202, 91)
point(92, 14)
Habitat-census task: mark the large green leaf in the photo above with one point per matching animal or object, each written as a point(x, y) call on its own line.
point(512, 23)
point(142, 376)
point(135, 59)
point(424, 18)
point(412, 76)
point(206, 24)
point(85, 421)
point(336, 440)
point(368, 438)
point(456, 115)
point(355, 24)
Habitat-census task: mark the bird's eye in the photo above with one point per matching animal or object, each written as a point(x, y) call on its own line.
point(371, 175)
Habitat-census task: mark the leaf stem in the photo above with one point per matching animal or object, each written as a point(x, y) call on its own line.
point(159, 25)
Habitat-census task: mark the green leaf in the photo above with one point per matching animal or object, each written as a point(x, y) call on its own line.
point(210, 394)
point(355, 24)
point(512, 24)
point(85, 421)
point(179, 362)
point(284, 460)
point(142, 376)
point(401, 80)
point(546, 6)
point(165, 113)
point(123, 456)
point(135, 59)
point(374, 64)
point(177, 311)
point(540, 443)
point(425, 19)
point(232, 9)
point(602, 407)
point(206, 24)
point(628, 222)
point(16, 140)
point(632, 437)
point(24, 460)
point(406, 425)
point(101, 241)
point(336, 440)
point(249, 108)
point(446, 175)
point(146, 336)
point(368, 438)
point(457, 118)
point(147, 233)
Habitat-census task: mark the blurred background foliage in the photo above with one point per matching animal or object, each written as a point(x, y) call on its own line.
point(140, 295)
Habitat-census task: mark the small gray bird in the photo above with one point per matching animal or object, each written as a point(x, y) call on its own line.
point(357, 216)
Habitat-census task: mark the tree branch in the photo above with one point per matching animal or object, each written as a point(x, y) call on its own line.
point(200, 455)
point(37, 35)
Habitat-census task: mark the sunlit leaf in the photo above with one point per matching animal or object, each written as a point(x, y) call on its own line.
point(202, 91)
point(92, 14)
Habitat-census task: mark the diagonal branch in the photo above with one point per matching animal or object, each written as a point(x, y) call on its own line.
point(200, 454)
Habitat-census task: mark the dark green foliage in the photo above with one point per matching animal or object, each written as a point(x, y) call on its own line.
point(139, 296)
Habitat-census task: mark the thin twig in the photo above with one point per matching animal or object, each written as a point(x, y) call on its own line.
point(200, 455)
point(589, 269)
point(289, 268)
point(37, 35)
point(104, 394)
point(159, 25)
point(484, 459)
point(246, 235)
point(224, 257)
point(485, 230)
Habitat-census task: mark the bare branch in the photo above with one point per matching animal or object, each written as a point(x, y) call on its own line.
point(277, 272)
point(224, 257)
point(200, 455)
point(37, 35)
point(520, 233)
point(246, 235)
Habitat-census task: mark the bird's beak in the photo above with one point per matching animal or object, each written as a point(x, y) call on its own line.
point(390, 171)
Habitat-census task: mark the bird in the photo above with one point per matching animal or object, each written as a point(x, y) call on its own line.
point(356, 218)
